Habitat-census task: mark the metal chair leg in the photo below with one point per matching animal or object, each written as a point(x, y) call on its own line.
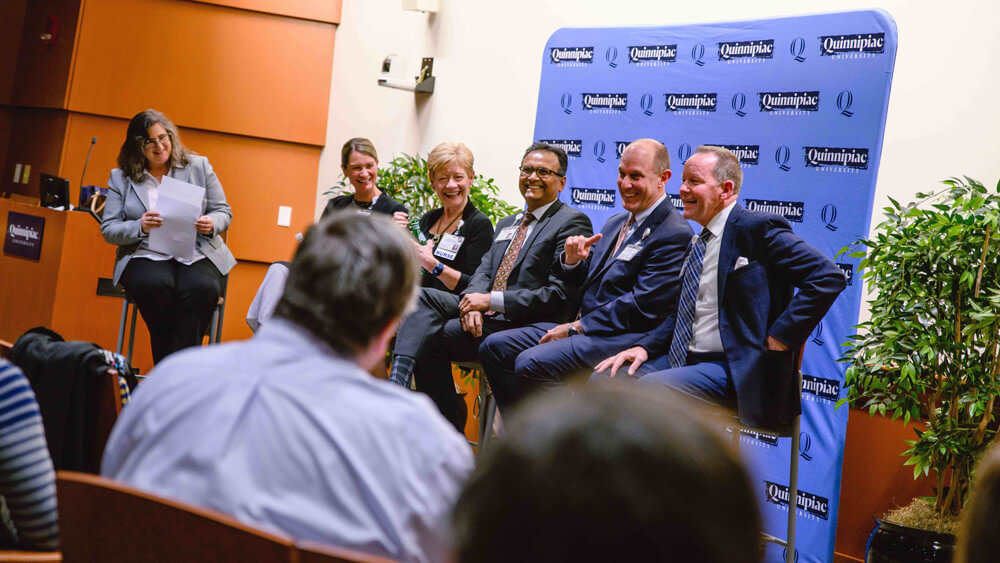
point(131, 334)
point(121, 327)
point(793, 492)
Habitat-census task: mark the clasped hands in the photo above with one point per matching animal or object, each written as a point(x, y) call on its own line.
point(151, 220)
point(471, 307)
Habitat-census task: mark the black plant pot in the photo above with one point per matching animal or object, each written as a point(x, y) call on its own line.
point(892, 543)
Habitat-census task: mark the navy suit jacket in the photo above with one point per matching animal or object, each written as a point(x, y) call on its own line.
point(757, 300)
point(534, 293)
point(624, 299)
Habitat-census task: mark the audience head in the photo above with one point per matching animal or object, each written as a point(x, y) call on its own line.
point(352, 278)
point(643, 173)
point(979, 535)
point(449, 169)
point(711, 181)
point(608, 473)
point(359, 163)
point(543, 174)
point(151, 141)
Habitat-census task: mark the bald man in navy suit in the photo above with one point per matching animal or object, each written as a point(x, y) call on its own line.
point(734, 342)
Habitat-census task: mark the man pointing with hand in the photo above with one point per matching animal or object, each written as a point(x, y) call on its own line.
point(629, 275)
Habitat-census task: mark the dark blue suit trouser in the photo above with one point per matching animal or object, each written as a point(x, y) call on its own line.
point(517, 365)
point(704, 379)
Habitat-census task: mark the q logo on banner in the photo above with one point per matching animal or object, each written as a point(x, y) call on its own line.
point(829, 215)
point(646, 103)
point(611, 55)
point(566, 101)
point(817, 335)
point(684, 152)
point(798, 47)
point(784, 555)
point(599, 149)
point(739, 102)
point(781, 156)
point(805, 444)
point(698, 53)
point(844, 100)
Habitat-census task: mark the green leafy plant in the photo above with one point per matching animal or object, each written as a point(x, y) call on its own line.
point(405, 180)
point(930, 350)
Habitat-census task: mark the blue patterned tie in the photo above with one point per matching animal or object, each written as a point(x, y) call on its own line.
point(689, 295)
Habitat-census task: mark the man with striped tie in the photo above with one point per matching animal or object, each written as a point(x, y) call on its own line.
point(513, 285)
point(738, 324)
point(628, 274)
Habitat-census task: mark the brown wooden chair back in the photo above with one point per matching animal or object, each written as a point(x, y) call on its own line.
point(312, 552)
point(8, 556)
point(103, 520)
point(107, 404)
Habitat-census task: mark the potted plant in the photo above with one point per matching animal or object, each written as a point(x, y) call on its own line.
point(930, 350)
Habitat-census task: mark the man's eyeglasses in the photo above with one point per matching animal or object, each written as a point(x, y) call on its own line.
point(162, 140)
point(543, 173)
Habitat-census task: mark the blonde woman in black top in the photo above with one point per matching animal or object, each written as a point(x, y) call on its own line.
point(457, 234)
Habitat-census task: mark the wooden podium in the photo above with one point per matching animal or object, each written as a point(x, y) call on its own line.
point(59, 290)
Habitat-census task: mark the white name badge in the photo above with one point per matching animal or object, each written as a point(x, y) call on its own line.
point(448, 247)
point(629, 252)
point(364, 211)
point(506, 233)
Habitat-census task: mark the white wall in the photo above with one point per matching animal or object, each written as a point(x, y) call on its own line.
point(944, 113)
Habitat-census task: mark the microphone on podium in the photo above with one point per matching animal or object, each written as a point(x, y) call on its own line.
point(93, 141)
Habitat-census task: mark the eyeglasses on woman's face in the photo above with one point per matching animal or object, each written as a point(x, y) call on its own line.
point(162, 140)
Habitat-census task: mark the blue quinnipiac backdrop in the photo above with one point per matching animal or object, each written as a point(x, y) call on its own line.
point(802, 102)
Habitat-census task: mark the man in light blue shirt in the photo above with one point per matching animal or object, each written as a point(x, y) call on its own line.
point(287, 431)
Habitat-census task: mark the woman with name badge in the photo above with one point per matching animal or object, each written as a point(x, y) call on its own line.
point(359, 162)
point(456, 235)
point(175, 295)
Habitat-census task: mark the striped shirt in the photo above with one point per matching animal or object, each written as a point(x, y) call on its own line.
point(27, 480)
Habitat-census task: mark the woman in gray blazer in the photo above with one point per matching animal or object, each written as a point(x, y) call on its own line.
point(176, 297)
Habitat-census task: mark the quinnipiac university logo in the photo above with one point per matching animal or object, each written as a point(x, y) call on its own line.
point(604, 103)
point(848, 271)
point(686, 104)
point(620, 148)
point(571, 55)
point(813, 505)
point(573, 147)
point(791, 210)
point(746, 51)
point(758, 438)
point(749, 155)
point(789, 103)
point(852, 46)
point(675, 200)
point(819, 389)
point(594, 197)
point(652, 55)
point(836, 159)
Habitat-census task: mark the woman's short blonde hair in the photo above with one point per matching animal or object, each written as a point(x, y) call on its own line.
point(446, 154)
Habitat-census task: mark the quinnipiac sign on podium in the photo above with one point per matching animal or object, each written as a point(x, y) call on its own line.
point(23, 236)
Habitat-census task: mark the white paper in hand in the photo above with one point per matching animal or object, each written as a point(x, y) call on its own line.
point(179, 204)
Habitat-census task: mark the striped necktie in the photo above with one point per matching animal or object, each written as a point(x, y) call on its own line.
point(689, 295)
point(509, 257)
point(624, 233)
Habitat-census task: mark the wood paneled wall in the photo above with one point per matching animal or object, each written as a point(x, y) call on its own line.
point(246, 81)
